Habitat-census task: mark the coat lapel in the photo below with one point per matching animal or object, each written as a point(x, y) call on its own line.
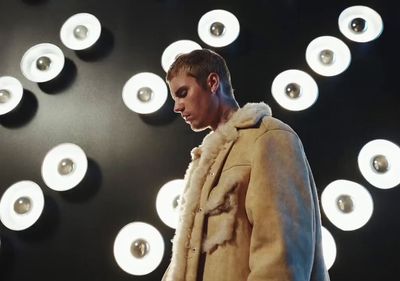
point(215, 172)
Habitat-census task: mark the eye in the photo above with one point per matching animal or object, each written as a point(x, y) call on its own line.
point(182, 93)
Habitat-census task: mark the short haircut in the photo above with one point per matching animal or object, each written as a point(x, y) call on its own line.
point(199, 64)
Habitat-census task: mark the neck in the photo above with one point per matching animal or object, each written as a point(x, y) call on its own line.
point(226, 111)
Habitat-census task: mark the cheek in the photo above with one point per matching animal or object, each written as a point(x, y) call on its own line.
point(201, 109)
point(198, 103)
point(203, 103)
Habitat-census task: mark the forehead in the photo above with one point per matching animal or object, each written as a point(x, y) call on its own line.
point(181, 79)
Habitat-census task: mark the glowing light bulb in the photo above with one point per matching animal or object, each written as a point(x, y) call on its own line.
point(66, 166)
point(136, 255)
point(175, 202)
point(380, 164)
point(140, 248)
point(140, 98)
point(217, 29)
point(293, 90)
point(168, 202)
point(4, 96)
point(22, 205)
point(358, 25)
point(81, 32)
point(175, 49)
point(11, 92)
point(328, 248)
point(326, 56)
point(43, 63)
point(345, 203)
point(144, 94)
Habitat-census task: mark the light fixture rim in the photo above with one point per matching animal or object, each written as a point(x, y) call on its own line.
point(14, 86)
point(391, 151)
point(145, 79)
point(361, 197)
point(331, 243)
point(50, 163)
point(9, 217)
point(341, 52)
point(227, 18)
point(66, 31)
point(122, 244)
point(309, 90)
point(31, 55)
point(171, 51)
point(168, 192)
point(373, 31)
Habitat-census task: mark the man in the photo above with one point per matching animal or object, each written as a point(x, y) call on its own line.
point(249, 210)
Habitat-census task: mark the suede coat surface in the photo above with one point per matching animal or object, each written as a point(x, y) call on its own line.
point(250, 209)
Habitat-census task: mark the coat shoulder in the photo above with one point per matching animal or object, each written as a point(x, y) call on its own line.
point(266, 124)
point(270, 123)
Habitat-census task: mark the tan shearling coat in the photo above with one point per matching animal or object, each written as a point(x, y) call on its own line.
point(250, 208)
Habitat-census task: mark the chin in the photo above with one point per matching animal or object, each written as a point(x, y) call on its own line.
point(198, 128)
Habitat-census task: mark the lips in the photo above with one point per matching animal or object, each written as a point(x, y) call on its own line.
point(186, 117)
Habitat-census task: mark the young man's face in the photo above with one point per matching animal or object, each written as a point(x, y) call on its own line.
point(196, 105)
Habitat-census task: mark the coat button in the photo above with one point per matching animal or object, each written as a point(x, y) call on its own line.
point(211, 174)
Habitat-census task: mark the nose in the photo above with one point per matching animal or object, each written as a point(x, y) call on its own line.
point(178, 107)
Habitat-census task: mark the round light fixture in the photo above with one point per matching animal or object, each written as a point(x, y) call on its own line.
point(328, 55)
point(379, 163)
point(167, 202)
point(145, 93)
point(42, 62)
point(11, 92)
point(64, 167)
point(21, 205)
point(328, 247)
point(138, 248)
point(80, 31)
point(218, 28)
point(360, 24)
point(294, 90)
point(348, 205)
point(175, 49)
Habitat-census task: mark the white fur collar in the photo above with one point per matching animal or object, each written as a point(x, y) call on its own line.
point(245, 117)
point(203, 157)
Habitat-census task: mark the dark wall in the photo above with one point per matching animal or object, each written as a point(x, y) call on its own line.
point(132, 156)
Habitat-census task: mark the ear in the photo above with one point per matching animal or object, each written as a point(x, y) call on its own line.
point(213, 82)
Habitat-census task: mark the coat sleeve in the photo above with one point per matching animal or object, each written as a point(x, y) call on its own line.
point(280, 208)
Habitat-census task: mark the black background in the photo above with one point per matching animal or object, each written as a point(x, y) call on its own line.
point(132, 156)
